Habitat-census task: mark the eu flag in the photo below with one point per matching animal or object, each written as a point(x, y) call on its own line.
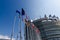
point(17, 11)
point(23, 12)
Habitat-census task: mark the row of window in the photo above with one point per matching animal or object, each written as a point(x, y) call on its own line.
point(54, 39)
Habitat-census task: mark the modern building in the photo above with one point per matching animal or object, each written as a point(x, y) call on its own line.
point(49, 29)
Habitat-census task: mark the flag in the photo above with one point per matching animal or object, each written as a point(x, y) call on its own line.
point(17, 11)
point(23, 12)
point(26, 17)
point(33, 25)
point(27, 22)
point(37, 30)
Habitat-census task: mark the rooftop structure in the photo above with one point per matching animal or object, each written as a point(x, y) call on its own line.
point(49, 29)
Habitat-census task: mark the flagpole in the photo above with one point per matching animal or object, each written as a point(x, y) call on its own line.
point(12, 34)
point(20, 18)
point(17, 37)
point(20, 28)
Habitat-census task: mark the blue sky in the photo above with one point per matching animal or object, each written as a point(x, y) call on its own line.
point(40, 7)
point(34, 9)
point(7, 13)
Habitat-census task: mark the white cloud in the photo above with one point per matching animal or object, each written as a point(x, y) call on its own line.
point(5, 37)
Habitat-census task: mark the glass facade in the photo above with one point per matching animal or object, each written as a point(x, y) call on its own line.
point(50, 30)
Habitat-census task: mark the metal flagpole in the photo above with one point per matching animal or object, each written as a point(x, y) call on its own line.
point(17, 37)
point(20, 26)
point(20, 19)
point(12, 34)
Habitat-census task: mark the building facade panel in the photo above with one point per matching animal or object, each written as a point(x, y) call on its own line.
point(50, 30)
